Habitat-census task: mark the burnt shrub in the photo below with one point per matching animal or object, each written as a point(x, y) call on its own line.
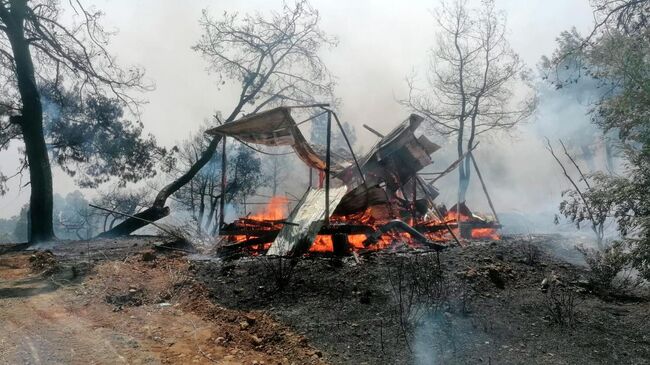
point(610, 271)
point(561, 305)
point(418, 288)
point(278, 269)
point(532, 254)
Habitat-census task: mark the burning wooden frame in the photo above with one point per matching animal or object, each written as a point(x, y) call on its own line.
point(362, 204)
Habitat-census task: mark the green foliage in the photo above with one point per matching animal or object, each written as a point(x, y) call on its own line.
point(90, 139)
point(595, 208)
point(244, 173)
point(617, 55)
point(14, 229)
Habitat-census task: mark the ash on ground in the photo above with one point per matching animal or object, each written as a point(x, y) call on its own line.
point(524, 299)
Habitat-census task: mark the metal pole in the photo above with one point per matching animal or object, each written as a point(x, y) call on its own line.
point(438, 212)
point(415, 198)
point(327, 167)
point(347, 141)
point(487, 195)
point(222, 202)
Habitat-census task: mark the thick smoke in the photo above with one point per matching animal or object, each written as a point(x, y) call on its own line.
point(522, 178)
point(370, 63)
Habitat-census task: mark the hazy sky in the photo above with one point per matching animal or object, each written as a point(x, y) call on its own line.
point(380, 42)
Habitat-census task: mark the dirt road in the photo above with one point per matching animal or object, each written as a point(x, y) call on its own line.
point(128, 312)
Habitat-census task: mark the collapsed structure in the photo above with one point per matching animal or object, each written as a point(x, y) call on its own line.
point(367, 203)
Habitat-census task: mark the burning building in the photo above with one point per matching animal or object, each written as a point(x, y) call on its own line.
point(367, 203)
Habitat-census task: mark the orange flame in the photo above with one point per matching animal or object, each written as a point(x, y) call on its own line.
point(266, 219)
point(485, 233)
point(275, 209)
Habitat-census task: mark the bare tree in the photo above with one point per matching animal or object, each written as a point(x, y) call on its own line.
point(36, 48)
point(273, 58)
point(586, 204)
point(471, 81)
point(202, 194)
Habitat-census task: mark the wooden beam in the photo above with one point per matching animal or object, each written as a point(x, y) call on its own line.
point(373, 131)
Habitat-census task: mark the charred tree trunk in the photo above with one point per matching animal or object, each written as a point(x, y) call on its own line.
point(211, 211)
point(215, 227)
point(158, 210)
point(224, 177)
point(463, 181)
point(31, 124)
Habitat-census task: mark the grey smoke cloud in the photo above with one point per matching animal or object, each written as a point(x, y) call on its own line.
point(381, 42)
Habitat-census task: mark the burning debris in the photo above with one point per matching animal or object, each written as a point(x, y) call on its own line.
point(375, 202)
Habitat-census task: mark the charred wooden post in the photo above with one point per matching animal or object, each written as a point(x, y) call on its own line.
point(438, 212)
point(340, 244)
point(415, 199)
point(465, 230)
point(458, 220)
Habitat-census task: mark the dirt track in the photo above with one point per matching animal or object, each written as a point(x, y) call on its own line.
point(130, 312)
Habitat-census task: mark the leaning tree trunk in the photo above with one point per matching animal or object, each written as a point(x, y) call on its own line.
point(158, 210)
point(31, 124)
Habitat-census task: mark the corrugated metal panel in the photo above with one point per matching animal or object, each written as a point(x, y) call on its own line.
point(309, 216)
point(276, 127)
